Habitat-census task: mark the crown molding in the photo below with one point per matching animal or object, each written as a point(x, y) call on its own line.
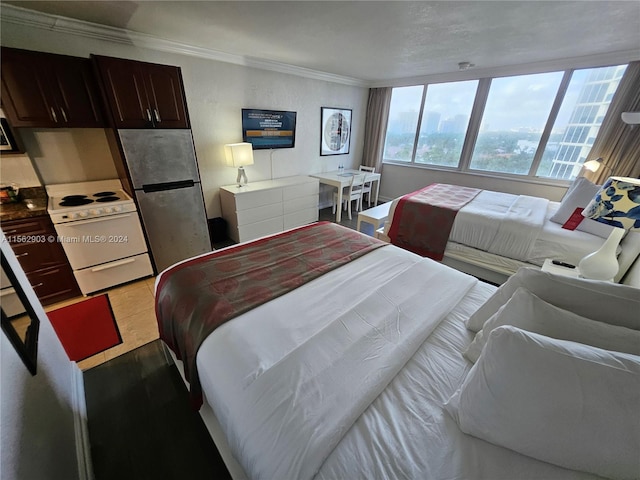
point(31, 18)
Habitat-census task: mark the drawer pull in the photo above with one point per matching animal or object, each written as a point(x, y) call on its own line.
point(64, 115)
point(157, 115)
point(113, 265)
point(22, 254)
point(149, 115)
point(53, 114)
point(11, 231)
point(38, 285)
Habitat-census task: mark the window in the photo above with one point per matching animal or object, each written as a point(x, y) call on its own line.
point(514, 118)
point(539, 125)
point(445, 118)
point(583, 109)
point(403, 122)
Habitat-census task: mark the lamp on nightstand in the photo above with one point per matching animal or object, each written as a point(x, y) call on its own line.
point(616, 204)
point(239, 155)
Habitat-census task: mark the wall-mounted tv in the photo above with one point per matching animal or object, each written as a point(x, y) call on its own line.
point(266, 129)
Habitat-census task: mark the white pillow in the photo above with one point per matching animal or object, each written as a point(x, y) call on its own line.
point(526, 311)
point(606, 302)
point(579, 194)
point(560, 402)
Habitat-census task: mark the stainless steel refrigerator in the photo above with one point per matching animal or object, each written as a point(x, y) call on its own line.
point(164, 173)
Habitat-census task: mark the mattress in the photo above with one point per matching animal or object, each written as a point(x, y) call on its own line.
point(403, 431)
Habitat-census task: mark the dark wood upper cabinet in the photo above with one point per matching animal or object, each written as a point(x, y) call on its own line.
point(143, 95)
point(47, 90)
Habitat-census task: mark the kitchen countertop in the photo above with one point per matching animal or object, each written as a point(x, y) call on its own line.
point(33, 203)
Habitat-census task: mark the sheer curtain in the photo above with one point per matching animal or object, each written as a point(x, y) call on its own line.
point(619, 143)
point(375, 128)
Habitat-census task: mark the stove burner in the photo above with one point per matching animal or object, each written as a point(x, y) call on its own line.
point(75, 202)
point(104, 194)
point(108, 199)
point(74, 197)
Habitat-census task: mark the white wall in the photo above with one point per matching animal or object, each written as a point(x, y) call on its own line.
point(398, 180)
point(216, 92)
point(37, 413)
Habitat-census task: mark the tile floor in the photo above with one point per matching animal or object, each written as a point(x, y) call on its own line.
point(133, 308)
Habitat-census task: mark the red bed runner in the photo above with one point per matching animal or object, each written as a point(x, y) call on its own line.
point(423, 219)
point(195, 297)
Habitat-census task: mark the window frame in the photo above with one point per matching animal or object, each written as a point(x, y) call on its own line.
point(473, 128)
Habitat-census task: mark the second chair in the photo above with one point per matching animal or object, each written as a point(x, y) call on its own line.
point(351, 193)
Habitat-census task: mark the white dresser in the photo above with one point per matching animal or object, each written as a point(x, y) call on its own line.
point(270, 206)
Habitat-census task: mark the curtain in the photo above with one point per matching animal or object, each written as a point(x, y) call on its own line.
point(618, 143)
point(375, 128)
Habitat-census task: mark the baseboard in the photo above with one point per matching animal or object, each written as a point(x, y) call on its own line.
point(83, 445)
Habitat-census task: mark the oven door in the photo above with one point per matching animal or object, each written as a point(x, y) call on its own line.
point(99, 240)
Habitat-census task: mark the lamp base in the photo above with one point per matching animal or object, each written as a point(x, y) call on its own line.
point(603, 263)
point(241, 179)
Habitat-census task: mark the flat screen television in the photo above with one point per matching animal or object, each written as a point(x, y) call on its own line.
point(266, 129)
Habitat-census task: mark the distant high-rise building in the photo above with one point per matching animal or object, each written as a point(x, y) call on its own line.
point(430, 122)
point(585, 121)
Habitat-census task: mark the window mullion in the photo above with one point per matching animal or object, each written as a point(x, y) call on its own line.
point(546, 133)
point(474, 123)
point(420, 112)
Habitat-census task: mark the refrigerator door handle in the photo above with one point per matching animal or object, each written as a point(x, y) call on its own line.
point(158, 187)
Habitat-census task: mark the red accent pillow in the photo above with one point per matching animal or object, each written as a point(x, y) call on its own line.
point(574, 220)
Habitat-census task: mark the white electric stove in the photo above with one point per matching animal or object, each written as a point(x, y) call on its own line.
point(98, 226)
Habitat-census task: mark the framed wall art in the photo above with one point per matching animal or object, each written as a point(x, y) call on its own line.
point(335, 131)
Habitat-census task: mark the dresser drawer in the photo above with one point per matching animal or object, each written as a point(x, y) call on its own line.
point(301, 190)
point(259, 229)
point(249, 200)
point(302, 203)
point(301, 217)
point(259, 213)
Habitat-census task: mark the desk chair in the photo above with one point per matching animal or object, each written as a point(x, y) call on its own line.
point(366, 187)
point(351, 193)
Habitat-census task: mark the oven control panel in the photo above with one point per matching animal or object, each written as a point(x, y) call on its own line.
point(93, 212)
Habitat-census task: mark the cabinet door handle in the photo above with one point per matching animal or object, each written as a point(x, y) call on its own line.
point(22, 254)
point(64, 115)
point(38, 285)
point(11, 231)
point(53, 114)
point(149, 115)
point(157, 115)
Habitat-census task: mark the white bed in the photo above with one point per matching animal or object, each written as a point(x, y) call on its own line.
point(345, 377)
point(476, 245)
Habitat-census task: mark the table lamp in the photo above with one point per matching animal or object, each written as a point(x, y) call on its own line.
point(239, 155)
point(617, 204)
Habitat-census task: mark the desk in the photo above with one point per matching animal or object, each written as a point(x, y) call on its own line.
point(341, 180)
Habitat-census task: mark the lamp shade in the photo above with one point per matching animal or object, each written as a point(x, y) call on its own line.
point(617, 203)
point(238, 154)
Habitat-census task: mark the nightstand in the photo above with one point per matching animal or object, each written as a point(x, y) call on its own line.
point(559, 270)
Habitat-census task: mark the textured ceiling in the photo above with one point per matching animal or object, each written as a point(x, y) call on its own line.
point(380, 40)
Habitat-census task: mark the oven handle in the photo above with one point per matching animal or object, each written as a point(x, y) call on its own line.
point(94, 220)
point(113, 264)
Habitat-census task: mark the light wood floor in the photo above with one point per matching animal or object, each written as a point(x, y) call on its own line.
point(133, 308)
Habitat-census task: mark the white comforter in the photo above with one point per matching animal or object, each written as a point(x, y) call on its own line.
point(295, 392)
point(344, 378)
point(500, 223)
